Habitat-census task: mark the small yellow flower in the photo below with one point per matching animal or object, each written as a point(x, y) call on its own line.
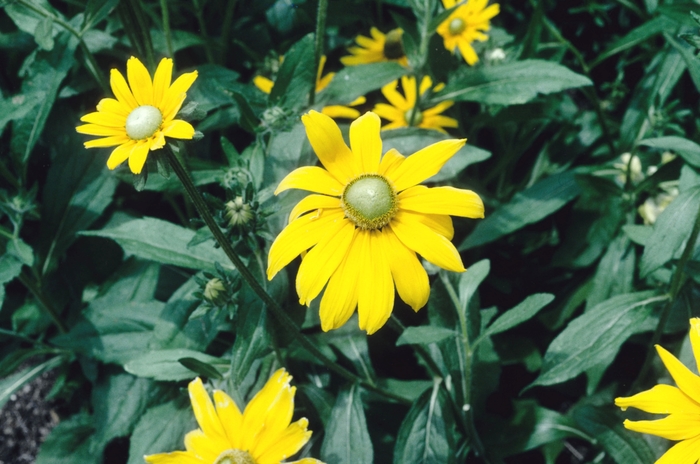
point(681, 403)
point(142, 115)
point(262, 434)
point(401, 108)
point(334, 111)
point(380, 47)
point(365, 222)
point(466, 24)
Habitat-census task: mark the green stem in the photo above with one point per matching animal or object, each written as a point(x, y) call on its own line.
point(203, 31)
point(43, 301)
point(430, 364)
point(321, 14)
point(165, 15)
point(282, 317)
point(136, 27)
point(226, 30)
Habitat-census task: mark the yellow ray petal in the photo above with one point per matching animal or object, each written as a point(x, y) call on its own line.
point(139, 81)
point(365, 141)
point(467, 52)
point(204, 410)
point(313, 202)
point(173, 98)
point(178, 129)
point(269, 412)
point(230, 416)
point(439, 108)
point(685, 452)
point(688, 382)
point(120, 154)
point(438, 122)
point(673, 427)
point(389, 112)
point(172, 106)
point(121, 90)
point(391, 93)
point(138, 155)
point(177, 457)
point(661, 399)
point(327, 141)
point(157, 141)
point(340, 298)
point(425, 163)
point(105, 119)
point(107, 141)
point(340, 111)
point(426, 242)
point(311, 178)
point(299, 236)
point(96, 129)
point(391, 161)
point(110, 105)
point(439, 223)
point(205, 447)
point(263, 84)
point(410, 278)
point(284, 445)
point(425, 84)
point(376, 287)
point(695, 339)
point(161, 80)
point(442, 200)
point(408, 84)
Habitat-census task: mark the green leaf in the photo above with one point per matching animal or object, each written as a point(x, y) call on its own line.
point(165, 364)
point(356, 81)
point(615, 272)
point(638, 233)
point(161, 430)
point(96, 11)
point(511, 83)
point(10, 267)
point(596, 336)
point(671, 229)
point(687, 149)
point(424, 335)
point(527, 207)
point(347, 440)
point(248, 120)
point(14, 382)
point(293, 82)
point(43, 34)
point(636, 36)
point(164, 242)
point(521, 313)
point(26, 18)
point(469, 282)
point(688, 54)
point(173, 184)
point(201, 368)
point(426, 433)
point(252, 342)
point(70, 442)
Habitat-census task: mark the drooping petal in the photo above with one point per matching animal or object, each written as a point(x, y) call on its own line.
point(230, 416)
point(299, 236)
point(423, 240)
point(313, 202)
point(424, 163)
point(688, 382)
point(328, 144)
point(138, 155)
point(673, 427)
point(376, 287)
point(340, 298)
point(284, 445)
point(178, 129)
point(685, 452)
point(120, 154)
point(176, 457)
point(695, 339)
point(365, 141)
point(661, 399)
point(442, 200)
point(409, 276)
point(204, 410)
point(139, 81)
point(121, 90)
point(313, 179)
point(161, 80)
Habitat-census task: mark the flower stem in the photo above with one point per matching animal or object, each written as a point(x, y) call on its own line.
point(318, 44)
point(43, 301)
point(203, 30)
point(165, 15)
point(136, 27)
point(279, 313)
point(226, 30)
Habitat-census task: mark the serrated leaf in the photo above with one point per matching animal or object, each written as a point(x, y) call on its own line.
point(347, 440)
point(519, 314)
point(161, 429)
point(165, 364)
point(511, 83)
point(424, 335)
point(356, 81)
point(687, 149)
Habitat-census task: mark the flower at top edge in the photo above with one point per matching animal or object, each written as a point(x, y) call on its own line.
point(681, 403)
point(466, 23)
point(380, 47)
point(401, 109)
point(261, 434)
point(142, 114)
point(365, 222)
point(265, 85)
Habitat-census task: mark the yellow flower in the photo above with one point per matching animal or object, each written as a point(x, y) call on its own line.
point(262, 434)
point(399, 112)
point(682, 403)
point(365, 222)
point(378, 48)
point(334, 111)
point(142, 115)
point(466, 24)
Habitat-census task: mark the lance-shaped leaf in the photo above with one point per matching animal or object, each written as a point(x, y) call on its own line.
point(347, 439)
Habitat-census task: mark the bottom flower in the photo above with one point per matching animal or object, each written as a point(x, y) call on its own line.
point(262, 434)
point(682, 404)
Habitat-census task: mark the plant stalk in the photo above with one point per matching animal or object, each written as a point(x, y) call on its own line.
point(43, 301)
point(318, 44)
point(165, 15)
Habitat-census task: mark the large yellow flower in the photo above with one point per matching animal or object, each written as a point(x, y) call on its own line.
point(142, 115)
point(262, 434)
point(682, 403)
point(380, 47)
point(265, 84)
point(466, 24)
point(402, 108)
point(365, 222)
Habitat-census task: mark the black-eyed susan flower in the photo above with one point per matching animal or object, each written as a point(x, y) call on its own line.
point(681, 403)
point(365, 222)
point(467, 23)
point(262, 434)
point(265, 84)
point(380, 47)
point(402, 108)
point(142, 114)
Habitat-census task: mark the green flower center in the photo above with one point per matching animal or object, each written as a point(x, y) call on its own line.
point(393, 46)
point(457, 26)
point(235, 456)
point(417, 117)
point(143, 122)
point(369, 201)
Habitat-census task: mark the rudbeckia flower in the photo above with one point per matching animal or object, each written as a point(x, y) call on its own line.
point(466, 24)
point(402, 108)
point(366, 221)
point(265, 85)
point(681, 403)
point(262, 434)
point(142, 115)
point(380, 47)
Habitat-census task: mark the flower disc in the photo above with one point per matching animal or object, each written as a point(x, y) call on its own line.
point(369, 201)
point(143, 122)
point(457, 26)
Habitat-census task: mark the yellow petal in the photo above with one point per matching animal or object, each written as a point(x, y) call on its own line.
point(467, 52)
point(327, 141)
point(439, 108)
point(409, 90)
point(695, 339)
point(425, 84)
point(376, 287)
point(157, 141)
point(105, 119)
point(390, 113)
point(96, 129)
point(685, 452)
point(438, 122)
point(391, 93)
point(340, 111)
point(365, 141)
point(442, 200)
point(138, 155)
point(299, 236)
point(673, 427)
point(139, 81)
point(230, 416)
point(178, 129)
point(313, 202)
point(340, 298)
point(409, 276)
point(688, 382)
point(175, 95)
point(176, 457)
point(313, 179)
point(323, 259)
point(305, 461)
point(172, 106)
point(204, 410)
point(205, 447)
point(440, 224)
point(285, 444)
point(426, 242)
point(661, 399)
point(110, 105)
point(161, 80)
point(120, 154)
point(425, 163)
point(107, 141)
point(391, 161)
point(263, 84)
point(121, 90)
point(269, 412)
